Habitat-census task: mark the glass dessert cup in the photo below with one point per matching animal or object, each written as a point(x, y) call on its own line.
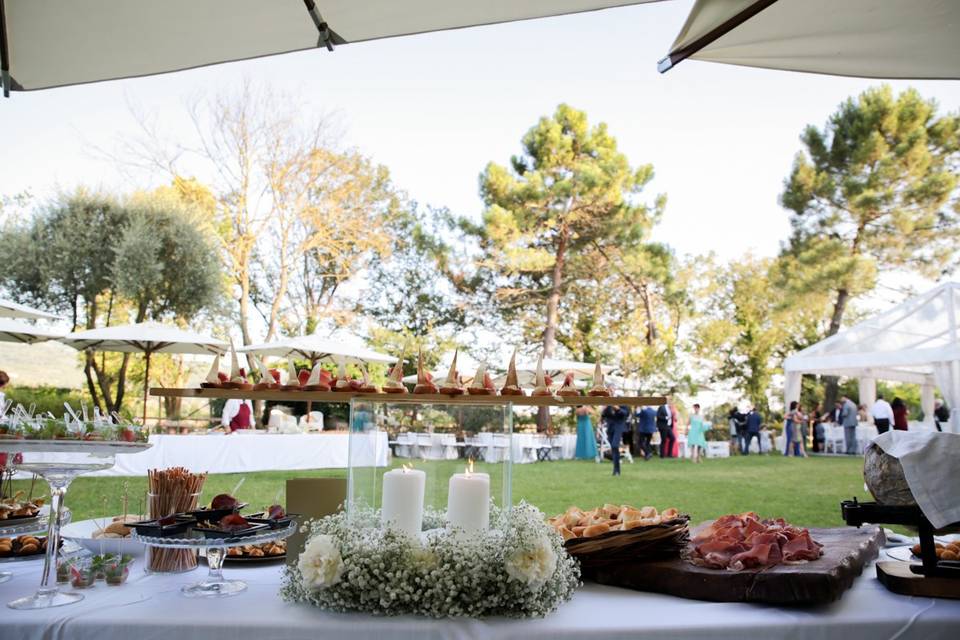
point(59, 475)
point(214, 585)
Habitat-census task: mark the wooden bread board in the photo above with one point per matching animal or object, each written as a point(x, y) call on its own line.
point(897, 577)
point(846, 551)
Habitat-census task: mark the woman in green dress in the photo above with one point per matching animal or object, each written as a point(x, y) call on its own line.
point(695, 430)
point(586, 438)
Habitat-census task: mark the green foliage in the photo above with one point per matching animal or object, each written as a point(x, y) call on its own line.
point(44, 399)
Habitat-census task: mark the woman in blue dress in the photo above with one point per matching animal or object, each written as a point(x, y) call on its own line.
point(586, 438)
point(695, 434)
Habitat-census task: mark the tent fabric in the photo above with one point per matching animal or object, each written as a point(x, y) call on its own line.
point(913, 39)
point(916, 341)
point(317, 348)
point(16, 331)
point(143, 337)
point(63, 42)
point(11, 309)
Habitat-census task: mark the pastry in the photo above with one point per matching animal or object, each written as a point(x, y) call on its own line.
point(343, 380)
point(319, 379)
point(451, 384)
point(568, 388)
point(267, 379)
point(425, 382)
point(394, 382)
point(598, 388)
point(511, 386)
point(544, 382)
point(293, 378)
point(238, 376)
point(482, 385)
point(213, 379)
point(596, 530)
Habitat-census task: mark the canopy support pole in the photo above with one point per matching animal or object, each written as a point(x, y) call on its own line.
point(672, 60)
point(327, 37)
point(4, 53)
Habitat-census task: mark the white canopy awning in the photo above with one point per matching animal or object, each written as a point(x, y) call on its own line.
point(54, 43)
point(11, 309)
point(912, 39)
point(16, 331)
point(340, 348)
point(917, 341)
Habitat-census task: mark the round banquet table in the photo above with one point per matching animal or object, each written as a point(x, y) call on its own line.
point(151, 608)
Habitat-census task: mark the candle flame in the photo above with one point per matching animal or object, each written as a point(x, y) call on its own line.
point(406, 468)
point(469, 466)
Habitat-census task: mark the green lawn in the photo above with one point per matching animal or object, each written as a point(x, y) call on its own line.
point(804, 491)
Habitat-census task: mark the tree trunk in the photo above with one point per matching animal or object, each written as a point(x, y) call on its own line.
point(244, 278)
point(648, 312)
point(831, 383)
point(91, 385)
point(553, 316)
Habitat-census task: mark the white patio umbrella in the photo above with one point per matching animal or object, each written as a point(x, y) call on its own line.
point(913, 39)
point(63, 42)
point(556, 369)
point(146, 338)
point(11, 309)
point(16, 331)
point(341, 348)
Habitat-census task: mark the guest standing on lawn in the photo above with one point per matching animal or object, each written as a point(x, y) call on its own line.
point(738, 428)
point(696, 429)
point(586, 438)
point(882, 414)
point(665, 427)
point(848, 418)
point(819, 431)
point(790, 427)
point(899, 414)
point(646, 427)
point(941, 414)
point(754, 422)
point(615, 419)
point(675, 418)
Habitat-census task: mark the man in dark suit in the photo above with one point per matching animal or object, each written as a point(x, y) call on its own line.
point(665, 427)
point(646, 427)
point(616, 420)
point(754, 422)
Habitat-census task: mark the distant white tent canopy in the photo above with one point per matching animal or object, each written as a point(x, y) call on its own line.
point(11, 309)
point(913, 39)
point(917, 341)
point(64, 42)
point(316, 348)
point(15, 331)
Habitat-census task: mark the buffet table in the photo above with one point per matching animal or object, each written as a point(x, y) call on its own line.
point(151, 608)
point(254, 451)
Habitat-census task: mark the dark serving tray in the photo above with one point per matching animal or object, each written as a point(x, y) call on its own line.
point(153, 528)
point(206, 515)
point(252, 530)
point(273, 523)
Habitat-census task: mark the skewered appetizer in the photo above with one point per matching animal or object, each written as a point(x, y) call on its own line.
point(394, 382)
point(451, 385)
point(599, 388)
point(343, 381)
point(425, 382)
point(511, 386)
point(269, 378)
point(544, 382)
point(12, 508)
point(568, 389)
point(238, 376)
point(215, 378)
point(482, 384)
point(293, 377)
point(319, 379)
point(366, 386)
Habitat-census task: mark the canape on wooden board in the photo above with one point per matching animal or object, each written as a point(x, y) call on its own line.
point(267, 379)
point(511, 386)
point(425, 382)
point(366, 386)
point(599, 388)
point(238, 377)
point(394, 383)
point(544, 382)
point(568, 388)
point(292, 382)
point(482, 384)
point(214, 379)
point(451, 384)
point(319, 379)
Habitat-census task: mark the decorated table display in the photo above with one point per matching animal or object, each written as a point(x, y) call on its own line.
point(81, 446)
point(14, 531)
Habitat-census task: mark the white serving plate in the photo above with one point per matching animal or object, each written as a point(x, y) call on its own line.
point(92, 447)
point(81, 532)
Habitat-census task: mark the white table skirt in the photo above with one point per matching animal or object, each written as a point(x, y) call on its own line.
point(256, 451)
point(151, 608)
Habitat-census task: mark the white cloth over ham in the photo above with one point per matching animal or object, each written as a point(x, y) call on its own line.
point(738, 542)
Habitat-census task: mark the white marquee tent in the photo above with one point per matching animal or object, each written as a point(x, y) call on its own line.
point(917, 341)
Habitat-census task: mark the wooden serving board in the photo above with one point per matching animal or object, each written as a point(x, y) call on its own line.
point(846, 551)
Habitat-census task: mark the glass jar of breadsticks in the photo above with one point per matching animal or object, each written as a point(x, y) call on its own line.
point(171, 491)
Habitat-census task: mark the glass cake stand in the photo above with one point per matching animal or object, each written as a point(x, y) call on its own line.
point(35, 526)
point(214, 585)
point(59, 462)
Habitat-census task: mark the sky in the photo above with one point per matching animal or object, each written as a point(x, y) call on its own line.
point(436, 108)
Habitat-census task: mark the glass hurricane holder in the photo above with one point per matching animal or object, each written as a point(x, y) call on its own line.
point(31, 528)
point(214, 585)
point(59, 470)
point(437, 438)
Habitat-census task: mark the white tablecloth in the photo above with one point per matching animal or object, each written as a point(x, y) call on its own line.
point(151, 608)
point(255, 451)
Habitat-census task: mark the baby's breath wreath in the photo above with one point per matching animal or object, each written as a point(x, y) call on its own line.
point(517, 568)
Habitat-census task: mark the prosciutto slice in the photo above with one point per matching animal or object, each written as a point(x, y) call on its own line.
point(745, 541)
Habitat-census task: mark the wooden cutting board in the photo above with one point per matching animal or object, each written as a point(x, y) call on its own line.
point(846, 551)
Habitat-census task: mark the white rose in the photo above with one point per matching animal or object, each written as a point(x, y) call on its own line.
point(533, 565)
point(320, 563)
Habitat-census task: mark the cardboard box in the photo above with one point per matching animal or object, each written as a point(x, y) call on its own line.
point(312, 498)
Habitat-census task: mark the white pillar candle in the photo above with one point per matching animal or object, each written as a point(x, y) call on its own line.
point(402, 507)
point(468, 501)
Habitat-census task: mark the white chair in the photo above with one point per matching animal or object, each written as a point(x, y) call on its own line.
point(835, 442)
point(405, 445)
point(312, 421)
point(501, 447)
point(425, 446)
point(605, 446)
point(718, 449)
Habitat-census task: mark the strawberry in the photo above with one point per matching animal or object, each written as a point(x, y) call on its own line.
point(243, 372)
point(276, 375)
point(222, 377)
point(303, 376)
point(326, 377)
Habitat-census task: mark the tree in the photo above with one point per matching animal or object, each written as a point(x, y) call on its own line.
point(105, 261)
point(875, 189)
point(566, 199)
